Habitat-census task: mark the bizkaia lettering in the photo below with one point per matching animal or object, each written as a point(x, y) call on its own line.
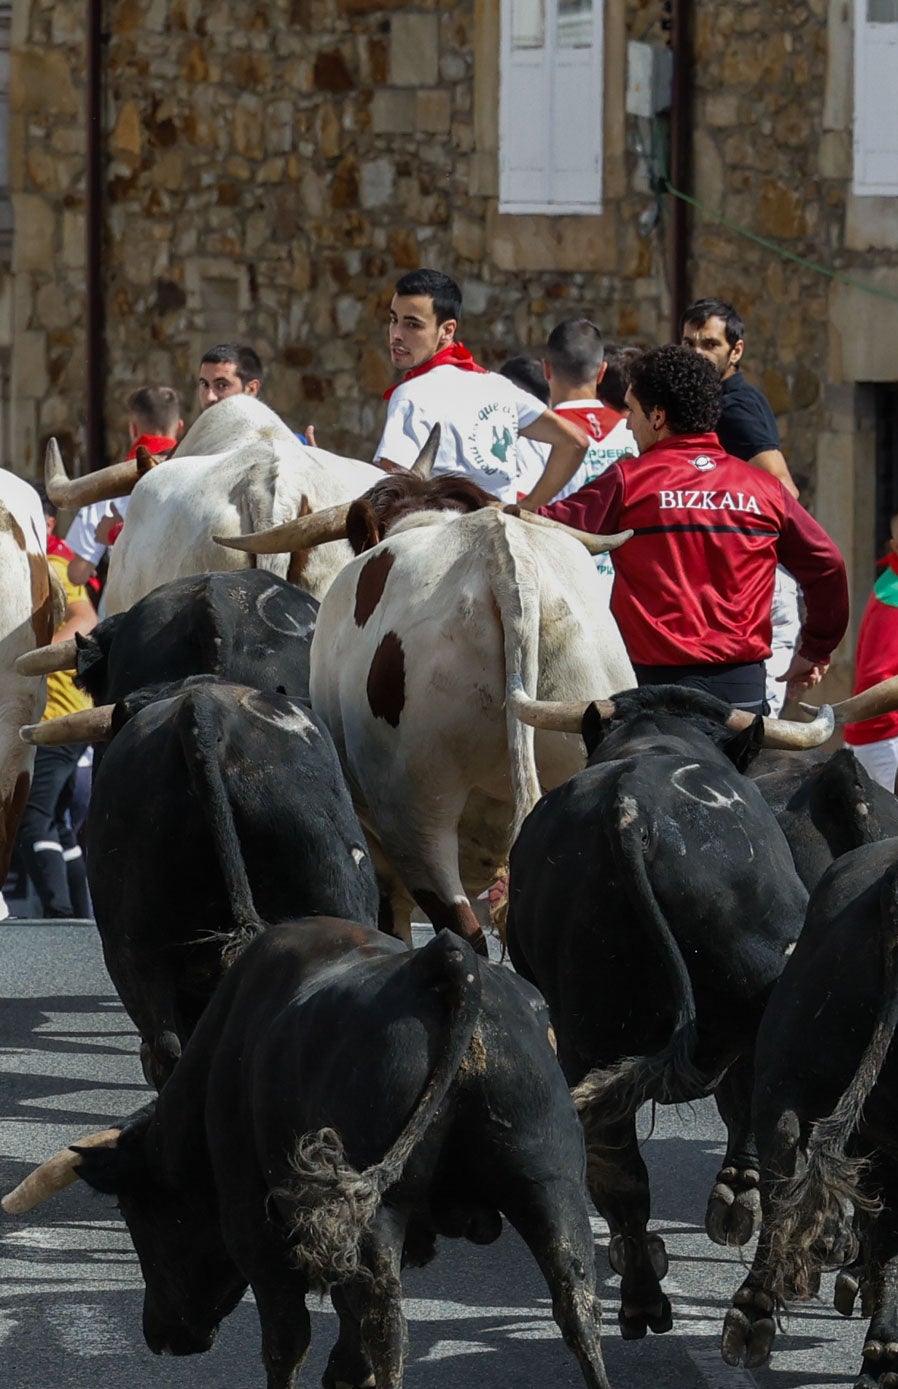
point(708, 501)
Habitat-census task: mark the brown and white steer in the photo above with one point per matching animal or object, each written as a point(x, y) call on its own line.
point(417, 643)
point(238, 468)
point(31, 605)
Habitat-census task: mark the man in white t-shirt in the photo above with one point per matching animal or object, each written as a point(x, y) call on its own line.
point(480, 413)
point(574, 364)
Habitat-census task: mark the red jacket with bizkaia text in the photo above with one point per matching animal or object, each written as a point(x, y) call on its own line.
point(694, 585)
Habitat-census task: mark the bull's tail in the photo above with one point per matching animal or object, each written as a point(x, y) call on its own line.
point(608, 1095)
point(805, 1206)
point(199, 724)
point(515, 588)
point(328, 1203)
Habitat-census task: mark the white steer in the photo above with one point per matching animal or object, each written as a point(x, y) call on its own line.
point(238, 468)
point(418, 642)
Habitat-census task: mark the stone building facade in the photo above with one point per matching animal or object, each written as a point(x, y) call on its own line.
point(270, 167)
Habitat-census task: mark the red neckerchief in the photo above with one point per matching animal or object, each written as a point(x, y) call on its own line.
point(455, 355)
point(154, 443)
point(55, 546)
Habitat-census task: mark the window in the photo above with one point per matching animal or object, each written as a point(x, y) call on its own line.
point(876, 97)
point(550, 106)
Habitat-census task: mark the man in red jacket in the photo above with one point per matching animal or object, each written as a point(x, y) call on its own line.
point(693, 587)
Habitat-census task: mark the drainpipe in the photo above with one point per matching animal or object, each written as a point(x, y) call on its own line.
point(681, 128)
point(95, 316)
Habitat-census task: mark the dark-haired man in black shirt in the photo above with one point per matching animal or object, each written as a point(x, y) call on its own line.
point(746, 428)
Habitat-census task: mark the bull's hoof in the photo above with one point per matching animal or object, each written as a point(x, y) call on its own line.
point(734, 1207)
point(845, 1292)
point(749, 1329)
point(657, 1318)
point(880, 1367)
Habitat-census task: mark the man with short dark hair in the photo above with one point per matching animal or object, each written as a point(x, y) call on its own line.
point(480, 413)
point(693, 586)
point(746, 427)
point(228, 369)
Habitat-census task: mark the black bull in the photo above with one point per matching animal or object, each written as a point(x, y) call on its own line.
point(825, 804)
point(826, 1116)
point(250, 627)
point(215, 806)
point(435, 1070)
point(653, 900)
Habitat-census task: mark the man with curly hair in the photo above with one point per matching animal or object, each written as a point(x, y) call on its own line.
point(693, 587)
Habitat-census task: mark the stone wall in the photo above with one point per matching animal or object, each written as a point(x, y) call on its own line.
point(272, 167)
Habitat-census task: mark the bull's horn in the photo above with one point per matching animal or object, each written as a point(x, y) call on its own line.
point(423, 464)
point(595, 544)
point(869, 704)
point(87, 726)
point(785, 733)
point(559, 715)
point(302, 533)
point(118, 480)
point(46, 660)
point(55, 1174)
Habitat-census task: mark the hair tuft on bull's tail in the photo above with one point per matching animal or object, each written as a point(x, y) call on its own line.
point(200, 731)
point(327, 1203)
point(331, 1205)
point(804, 1207)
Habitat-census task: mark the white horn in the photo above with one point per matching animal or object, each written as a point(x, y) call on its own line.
point(559, 715)
point(869, 704)
point(302, 533)
point(423, 464)
point(118, 480)
point(786, 733)
point(86, 726)
point(55, 1174)
point(595, 544)
point(46, 660)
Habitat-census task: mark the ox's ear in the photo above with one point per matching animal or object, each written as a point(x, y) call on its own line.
point(594, 728)
point(742, 748)
point(122, 1169)
point(362, 529)
point(93, 653)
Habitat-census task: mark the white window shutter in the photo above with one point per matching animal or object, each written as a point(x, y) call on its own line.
point(875, 99)
point(550, 110)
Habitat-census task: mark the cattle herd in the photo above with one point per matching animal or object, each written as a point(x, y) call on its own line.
point(324, 697)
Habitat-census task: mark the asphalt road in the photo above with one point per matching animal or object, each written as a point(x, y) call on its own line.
point(70, 1287)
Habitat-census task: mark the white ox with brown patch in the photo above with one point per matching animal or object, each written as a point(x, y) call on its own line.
point(418, 642)
point(31, 605)
point(238, 468)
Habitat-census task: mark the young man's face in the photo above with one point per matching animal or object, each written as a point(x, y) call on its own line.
point(414, 336)
point(709, 340)
point(220, 379)
point(642, 426)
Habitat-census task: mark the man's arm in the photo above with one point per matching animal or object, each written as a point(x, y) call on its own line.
point(595, 507)
point(569, 444)
point(80, 570)
point(772, 461)
point(80, 616)
point(812, 557)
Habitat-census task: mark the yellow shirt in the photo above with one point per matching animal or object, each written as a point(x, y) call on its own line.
point(62, 695)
